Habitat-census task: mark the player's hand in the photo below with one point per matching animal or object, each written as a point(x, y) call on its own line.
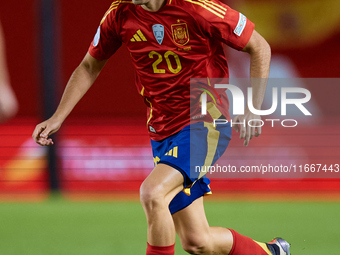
point(44, 130)
point(247, 132)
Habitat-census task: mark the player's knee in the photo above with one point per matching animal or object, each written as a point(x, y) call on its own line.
point(197, 245)
point(150, 196)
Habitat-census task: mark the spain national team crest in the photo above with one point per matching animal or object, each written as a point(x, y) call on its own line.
point(180, 33)
point(158, 31)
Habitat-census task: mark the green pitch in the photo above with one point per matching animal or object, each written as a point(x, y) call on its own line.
point(60, 227)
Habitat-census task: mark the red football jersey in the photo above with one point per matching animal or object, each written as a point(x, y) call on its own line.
point(182, 40)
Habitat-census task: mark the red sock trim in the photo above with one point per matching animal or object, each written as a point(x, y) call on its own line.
point(160, 250)
point(243, 245)
point(234, 241)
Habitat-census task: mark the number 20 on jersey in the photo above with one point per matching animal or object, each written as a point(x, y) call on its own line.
point(167, 55)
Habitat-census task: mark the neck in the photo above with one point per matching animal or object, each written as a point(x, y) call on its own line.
point(153, 5)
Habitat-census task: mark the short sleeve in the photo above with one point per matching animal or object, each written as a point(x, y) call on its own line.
point(106, 40)
point(227, 25)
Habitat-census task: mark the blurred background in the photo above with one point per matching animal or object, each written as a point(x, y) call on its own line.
point(102, 153)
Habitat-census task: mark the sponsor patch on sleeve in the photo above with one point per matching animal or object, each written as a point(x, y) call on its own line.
point(242, 21)
point(96, 37)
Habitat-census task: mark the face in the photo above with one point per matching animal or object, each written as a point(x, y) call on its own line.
point(150, 5)
point(140, 2)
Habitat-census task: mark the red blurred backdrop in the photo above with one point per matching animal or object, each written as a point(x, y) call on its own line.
point(113, 100)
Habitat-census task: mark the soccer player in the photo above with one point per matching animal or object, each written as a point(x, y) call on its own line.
point(171, 41)
point(8, 101)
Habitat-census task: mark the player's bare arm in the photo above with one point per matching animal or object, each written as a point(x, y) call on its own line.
point(8, 101)
point(260, 54)
point(81, 80)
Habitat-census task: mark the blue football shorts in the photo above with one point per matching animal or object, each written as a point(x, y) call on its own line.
point(197, 146)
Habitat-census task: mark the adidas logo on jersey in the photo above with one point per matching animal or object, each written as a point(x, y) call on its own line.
point(173, 152)
point(138, 37)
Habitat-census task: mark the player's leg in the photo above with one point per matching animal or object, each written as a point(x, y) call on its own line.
point(156, 192)
point(195, 234)
point(171, 175)
point(198, 238)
